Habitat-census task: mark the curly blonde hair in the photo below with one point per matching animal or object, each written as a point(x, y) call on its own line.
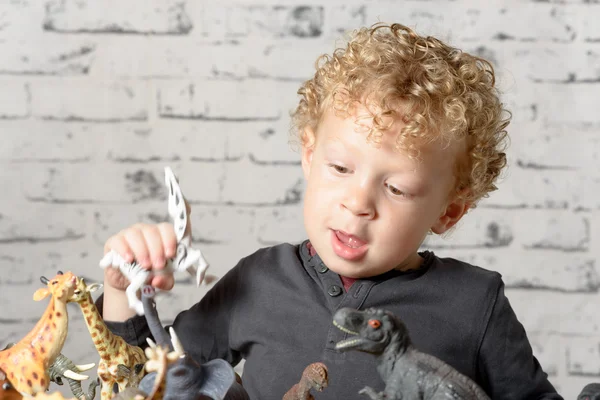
point(439, 92)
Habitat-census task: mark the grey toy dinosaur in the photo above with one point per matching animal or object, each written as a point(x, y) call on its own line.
point(408, 373)
point(186, 379)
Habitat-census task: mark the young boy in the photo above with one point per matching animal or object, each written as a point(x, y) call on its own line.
point(401, 135)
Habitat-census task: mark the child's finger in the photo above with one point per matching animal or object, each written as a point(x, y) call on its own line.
point(154, 245)
point(163, 281)
point(169, 239)
point(118, 244)
point(137, 243)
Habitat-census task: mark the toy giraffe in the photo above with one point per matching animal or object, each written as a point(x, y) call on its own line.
point(116, 355)
point(7, 391)
point(26, 363)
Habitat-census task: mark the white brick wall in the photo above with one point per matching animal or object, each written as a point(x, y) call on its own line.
point(98, 96)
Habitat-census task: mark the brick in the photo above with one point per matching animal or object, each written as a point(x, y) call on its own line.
point(583, 354)
point(14, 99)
point(348, 17)
point(546, 312)
point(162, 141)
point(72, 100)
point(46, 56)
point(542, 61)
point(252, 100)
point(210, 224)
point(532, 229)
point(266, 143)
point(466, 22)
point(246, 183)
point(47, 223)
point(563, 231)
point(109, 183)
point(554, 189)
point(301, 21)
point(579, 98)
point(590, 31)
point(546, 349)
point(535, 270)
point(19, 19)
point(139, 17)
point(280, 224)
point(538, 145)
point(284, 60)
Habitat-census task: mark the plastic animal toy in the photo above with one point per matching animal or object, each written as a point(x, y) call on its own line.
point(407, 372)
point(63, 367)
point(186, 379)
point(7, 390)
point(314, 377)
point(590, 391)
point(26, 363)
point(186, 258)
point(119, 360)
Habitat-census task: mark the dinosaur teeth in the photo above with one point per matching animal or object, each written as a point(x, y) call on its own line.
point(347, 343)
point(343, 329)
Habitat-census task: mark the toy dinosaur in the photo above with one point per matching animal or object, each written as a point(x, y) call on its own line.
point(186, 379)
point(407, 372)
point(26, 363)
point(63, 367)
point(590, 391)
point(186, 258)
point(120, 362)
point(7, 390)
point(315, 377)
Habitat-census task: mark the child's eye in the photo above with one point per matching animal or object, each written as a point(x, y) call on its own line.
point(339, 169)
point(393, 190)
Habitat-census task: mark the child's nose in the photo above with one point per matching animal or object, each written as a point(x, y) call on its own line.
point(360, 201)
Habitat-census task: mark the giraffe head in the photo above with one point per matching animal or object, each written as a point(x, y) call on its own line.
point(82, 290)
point(7, 390)
point(61, 287)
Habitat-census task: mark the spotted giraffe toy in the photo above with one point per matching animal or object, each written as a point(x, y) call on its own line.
point(186, 258)
point(26, 363)
point(7, 390)
point(120, 362)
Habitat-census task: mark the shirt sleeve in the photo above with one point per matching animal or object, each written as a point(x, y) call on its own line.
point(507, 367)
point(134, 330)
point(203, 329)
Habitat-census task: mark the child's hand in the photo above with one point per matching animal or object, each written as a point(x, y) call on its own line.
point(149, 245)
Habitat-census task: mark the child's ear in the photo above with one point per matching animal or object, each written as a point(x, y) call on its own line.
point(308, 148)
point(41, 294)
point(453, 213)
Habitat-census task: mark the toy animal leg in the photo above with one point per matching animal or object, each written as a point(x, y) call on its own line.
point(106, 391)
point(136, 284)
point(106, 381)
point(373, 395)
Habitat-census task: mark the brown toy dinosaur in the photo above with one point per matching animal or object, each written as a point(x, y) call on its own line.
point(26, 363)
point(118, 359)
point(313, 377)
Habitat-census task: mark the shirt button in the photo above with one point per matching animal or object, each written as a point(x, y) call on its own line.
point(322, 268)
point(334, 290)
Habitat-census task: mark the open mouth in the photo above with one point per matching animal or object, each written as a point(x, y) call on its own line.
point(349, 240)
point(351, 342)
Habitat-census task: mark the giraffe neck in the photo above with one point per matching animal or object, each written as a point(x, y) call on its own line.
point(50, 332)
point(104, 340)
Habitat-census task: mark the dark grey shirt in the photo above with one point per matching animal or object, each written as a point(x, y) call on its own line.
point(275, 310)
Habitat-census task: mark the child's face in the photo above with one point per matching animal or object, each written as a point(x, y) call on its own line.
point(367, 209)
